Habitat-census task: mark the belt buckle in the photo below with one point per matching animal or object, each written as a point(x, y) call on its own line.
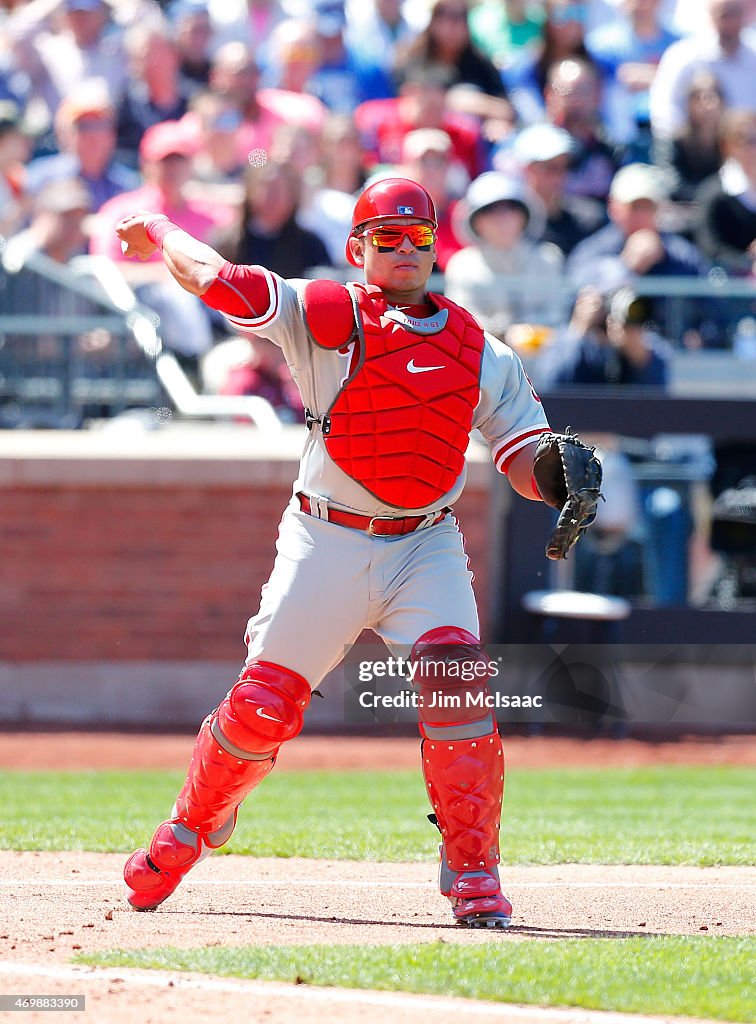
point(428, 520)
point(385, 519)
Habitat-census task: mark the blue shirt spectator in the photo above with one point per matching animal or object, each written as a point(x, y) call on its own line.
point(631, 246)
point(627, 52)
point(343, 79)
point(375, 28)
point(86, 132)
point(608, 341)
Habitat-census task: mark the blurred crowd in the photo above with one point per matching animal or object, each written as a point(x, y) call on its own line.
point(574, 149)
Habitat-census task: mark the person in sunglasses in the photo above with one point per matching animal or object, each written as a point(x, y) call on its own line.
point(393, 379)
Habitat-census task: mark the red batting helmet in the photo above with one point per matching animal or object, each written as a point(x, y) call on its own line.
point(389, 198)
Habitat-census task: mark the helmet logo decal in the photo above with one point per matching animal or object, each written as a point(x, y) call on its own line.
point(405, 211)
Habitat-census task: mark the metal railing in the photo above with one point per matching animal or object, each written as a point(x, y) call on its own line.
point(76, 344)
point(717, 301)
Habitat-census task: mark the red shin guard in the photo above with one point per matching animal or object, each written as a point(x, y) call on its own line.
point(235, 749)
point(465, 783)
point(217, 782)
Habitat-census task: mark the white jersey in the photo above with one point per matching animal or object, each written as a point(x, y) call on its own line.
point(509, 414)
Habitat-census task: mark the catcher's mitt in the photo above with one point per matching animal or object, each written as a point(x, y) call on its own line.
point(568, 476)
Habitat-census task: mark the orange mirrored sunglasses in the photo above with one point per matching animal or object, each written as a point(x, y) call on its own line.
point(387, 238)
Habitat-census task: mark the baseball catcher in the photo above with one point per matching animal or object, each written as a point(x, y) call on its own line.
point(393, 379)
point(567, 475)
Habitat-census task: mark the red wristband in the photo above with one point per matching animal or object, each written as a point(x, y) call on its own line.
point(157, 228)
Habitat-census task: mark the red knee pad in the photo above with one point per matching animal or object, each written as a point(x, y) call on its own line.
point(264, 708)
point(452, 678)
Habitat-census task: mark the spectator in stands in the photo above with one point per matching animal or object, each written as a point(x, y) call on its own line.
point(193, 34)
point(563, 38)
point(85, 45)
point(343, 155)
point(255, 366)
point(249, 22)
point(295, 56)
point(422, 103)
point(236, 77)
point(25, 81)
point(343, 78)
point(266, 231)
point(58, 216)
point(605, 12)
point(609, 340)
point(694, 152)
point(15, 84)
point(86, 132)
point(543, 153)
point(507, 30)
point(725, 49)
point(58, 230)
point(612, 561)
point(425, 159)
point(165, 154)
point(627, 53)
point(573, 93)
point(376, 29)
point(154, 91)
point(321, 210)
point(14, 152)
point(215, 122)
point(504, 278)
point(727, 227)
point(632, 245)
point(446, 41)
point(476, 87)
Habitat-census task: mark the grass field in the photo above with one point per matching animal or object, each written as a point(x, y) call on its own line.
point(666, 815)
point(695, 976)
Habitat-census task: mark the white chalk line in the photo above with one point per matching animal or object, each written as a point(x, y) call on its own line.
point(352, 883)
point(73, 975)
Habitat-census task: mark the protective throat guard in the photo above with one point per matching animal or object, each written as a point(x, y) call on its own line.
point(401, 422)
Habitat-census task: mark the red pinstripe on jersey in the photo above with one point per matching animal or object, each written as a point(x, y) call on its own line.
point(513, 445)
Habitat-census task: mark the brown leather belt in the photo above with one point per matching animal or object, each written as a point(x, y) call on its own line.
point(377, 526)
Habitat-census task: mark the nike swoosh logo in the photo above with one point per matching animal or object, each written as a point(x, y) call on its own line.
point(261, 713)
point(422, 369)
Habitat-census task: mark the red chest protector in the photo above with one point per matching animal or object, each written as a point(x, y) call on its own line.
point(400, 423)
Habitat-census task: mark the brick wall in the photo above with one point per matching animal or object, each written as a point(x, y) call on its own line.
point(155, 552)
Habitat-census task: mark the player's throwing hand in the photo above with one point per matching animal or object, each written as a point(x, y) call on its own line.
point(132, 231)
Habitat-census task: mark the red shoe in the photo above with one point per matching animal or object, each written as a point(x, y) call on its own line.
point(152, 875)
point(478, 902)
point(476, 897)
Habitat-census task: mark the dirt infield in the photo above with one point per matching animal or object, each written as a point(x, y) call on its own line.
point(58, 904)
point(53, 905)
point(79, 751)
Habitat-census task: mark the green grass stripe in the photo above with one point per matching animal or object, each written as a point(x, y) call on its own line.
point(686, 976)
point(664, 815)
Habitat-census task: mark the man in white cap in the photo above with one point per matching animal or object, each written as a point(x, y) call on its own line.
point(632, 245)
point(542, 152)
